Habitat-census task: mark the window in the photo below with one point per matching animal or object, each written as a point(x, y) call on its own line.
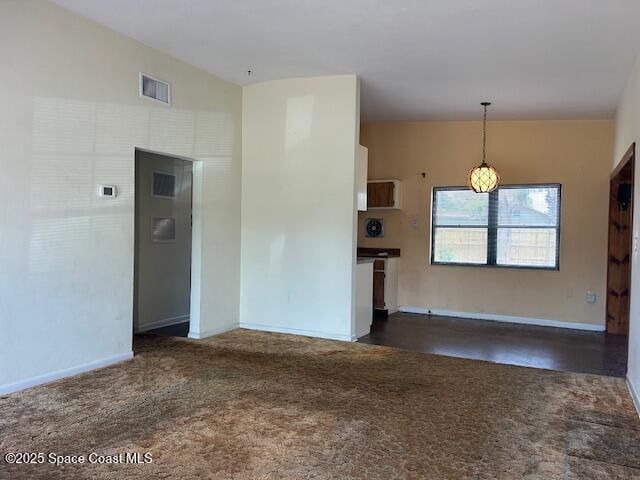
point(513, 226)
point(164, 185)
point(163, 230)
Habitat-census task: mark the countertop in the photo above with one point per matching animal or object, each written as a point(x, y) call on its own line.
point(364, 252)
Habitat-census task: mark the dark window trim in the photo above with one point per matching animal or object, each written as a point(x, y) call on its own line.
point(492, 228)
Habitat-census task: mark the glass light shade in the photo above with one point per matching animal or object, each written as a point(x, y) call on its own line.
point(483, 178)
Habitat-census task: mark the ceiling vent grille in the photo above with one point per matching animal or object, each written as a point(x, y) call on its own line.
point(155, 89)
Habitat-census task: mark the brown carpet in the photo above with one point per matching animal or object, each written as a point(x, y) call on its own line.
point(252, 405)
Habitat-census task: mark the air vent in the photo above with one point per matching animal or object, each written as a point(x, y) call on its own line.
point(374, 228)
point(164, 185)
point(155, 89)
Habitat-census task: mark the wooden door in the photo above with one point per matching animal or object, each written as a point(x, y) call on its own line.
point(620, 245)
point(380, 194)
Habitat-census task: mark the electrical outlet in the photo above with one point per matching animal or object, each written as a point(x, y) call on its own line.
point(414, 222)
point(591, 297)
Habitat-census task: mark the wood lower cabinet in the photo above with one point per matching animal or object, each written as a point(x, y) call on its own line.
point(378, 284)
point(385, 284)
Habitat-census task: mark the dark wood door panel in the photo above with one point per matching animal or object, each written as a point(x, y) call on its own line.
point(378, 290)
point(619, 248)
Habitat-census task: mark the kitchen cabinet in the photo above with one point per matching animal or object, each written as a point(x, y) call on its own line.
point(364, 296)
point(385, 285)
point(383, 194)
point(362, 167)
point(378, 284)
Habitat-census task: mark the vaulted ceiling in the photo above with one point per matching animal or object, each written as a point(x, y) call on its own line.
point(418, 59)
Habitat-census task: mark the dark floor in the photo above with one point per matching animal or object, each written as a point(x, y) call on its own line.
point(509, 343)
point(177, 330)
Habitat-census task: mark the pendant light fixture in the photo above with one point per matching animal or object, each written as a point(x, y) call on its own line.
point(483, 178)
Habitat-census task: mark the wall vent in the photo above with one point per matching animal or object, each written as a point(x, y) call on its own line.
point(155, 89)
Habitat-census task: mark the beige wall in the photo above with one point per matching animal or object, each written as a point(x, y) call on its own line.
point(627, 132)
point(574, 153)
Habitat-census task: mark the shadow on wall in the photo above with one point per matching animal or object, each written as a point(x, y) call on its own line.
point(297, 130)
point(69, 257)
point(79, 145)
point(299, 120)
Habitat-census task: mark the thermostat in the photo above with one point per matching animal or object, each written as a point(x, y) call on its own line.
point(107, 191)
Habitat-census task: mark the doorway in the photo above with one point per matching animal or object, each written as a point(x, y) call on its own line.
point(621, 187)
point(163, 224)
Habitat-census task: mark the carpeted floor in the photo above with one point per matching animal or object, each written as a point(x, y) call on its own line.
point(252, 405)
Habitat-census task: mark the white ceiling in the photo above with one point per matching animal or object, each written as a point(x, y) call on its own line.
point(418, 59)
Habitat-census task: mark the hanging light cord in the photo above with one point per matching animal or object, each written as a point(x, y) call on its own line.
point(484, 133)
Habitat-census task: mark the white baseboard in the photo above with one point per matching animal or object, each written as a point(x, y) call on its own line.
point(67, 372)
point(165, 322)
point(212, 332)
point(298, 331)
point(634, 395)
point(542, 322)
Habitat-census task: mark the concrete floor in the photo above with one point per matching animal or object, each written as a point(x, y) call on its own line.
point(507, 343)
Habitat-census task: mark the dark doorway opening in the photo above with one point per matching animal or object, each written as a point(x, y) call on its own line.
point(162, 269)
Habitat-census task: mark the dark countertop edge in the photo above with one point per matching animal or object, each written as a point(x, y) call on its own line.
point(378, 252)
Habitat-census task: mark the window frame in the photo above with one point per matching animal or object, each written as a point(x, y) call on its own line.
point(493, 227)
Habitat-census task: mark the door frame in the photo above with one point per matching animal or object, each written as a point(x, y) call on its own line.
point(627, 160)
point(196, 239)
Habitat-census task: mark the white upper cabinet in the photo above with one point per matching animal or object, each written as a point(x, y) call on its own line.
point(362, 166)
